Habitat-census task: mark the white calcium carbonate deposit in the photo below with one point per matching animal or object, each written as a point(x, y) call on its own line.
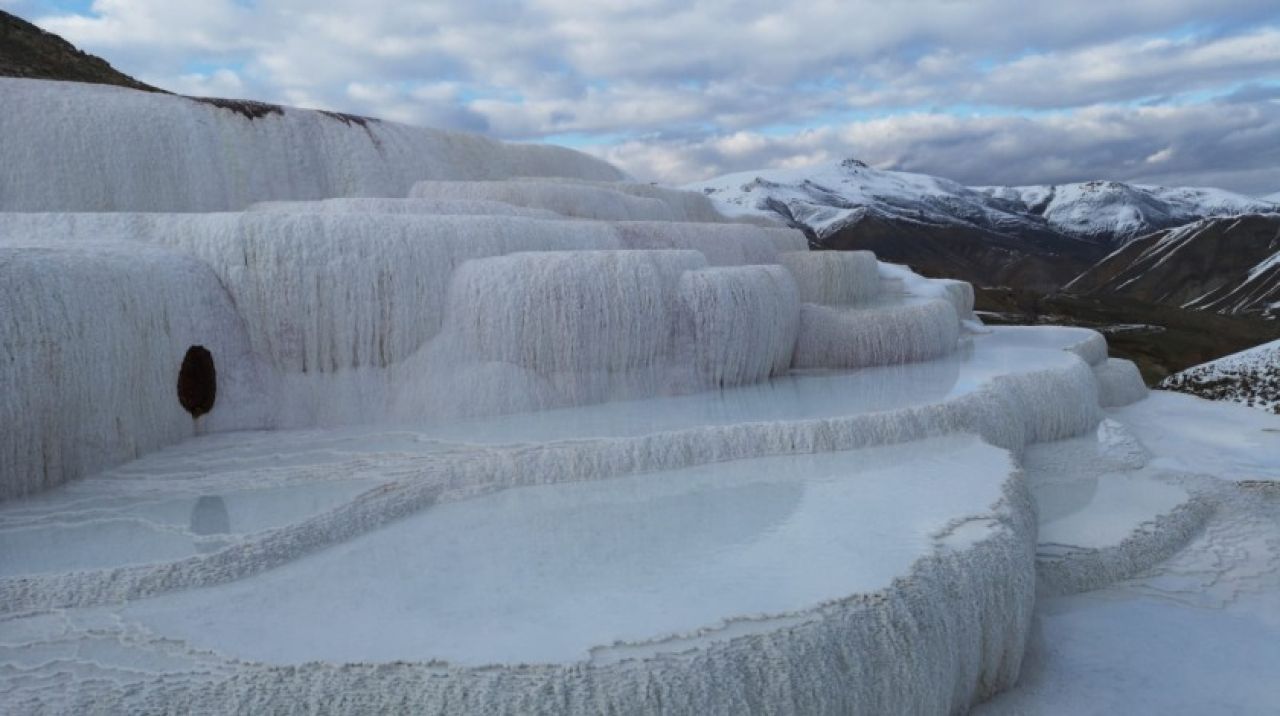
point(495, 431)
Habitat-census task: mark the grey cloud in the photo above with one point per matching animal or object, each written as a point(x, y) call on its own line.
point(1212, 143)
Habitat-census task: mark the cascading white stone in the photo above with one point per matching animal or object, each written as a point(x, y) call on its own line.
point(94, 336)
point(833, 278)
point(883, 334)
point(958, 293)
point(743, 323)
point(281, 270)
point(687, 205)
point(78, 147)
point(473, 207)
point(1119, 383)
point(578, 200)
point(596, 324)
point(722, 244)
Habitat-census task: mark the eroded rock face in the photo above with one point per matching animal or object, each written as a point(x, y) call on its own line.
point(197, 381)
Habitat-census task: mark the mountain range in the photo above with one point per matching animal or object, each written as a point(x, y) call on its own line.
point(1034, 237)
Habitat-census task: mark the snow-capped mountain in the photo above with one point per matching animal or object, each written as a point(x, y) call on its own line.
point(826, 197)
point(936, 225)
point(1114, 212)
point(1225, 264)
point(1251, 377)
point(1036, 237)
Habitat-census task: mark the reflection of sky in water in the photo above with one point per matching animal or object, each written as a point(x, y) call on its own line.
point(545, 573)
point(141, 531)
point(1100, 510)
point(797, 396)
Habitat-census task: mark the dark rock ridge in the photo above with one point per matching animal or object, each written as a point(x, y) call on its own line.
point(1037, 259)
point(27, 51)
point(1226, 265)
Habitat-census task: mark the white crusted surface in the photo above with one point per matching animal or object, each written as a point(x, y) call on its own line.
point(688, 205)
point(1195, 634)
point(94, 335)
point(587, 201)
point(1119, 383)
point(834, 278)
point(1104, 514)
point(1190, 434)
point(888, 331)
point(743, 323)
point(722, 244)
point(80, 147)
point(473, 207)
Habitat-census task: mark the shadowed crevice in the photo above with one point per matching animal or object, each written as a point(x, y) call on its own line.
point(197, 381)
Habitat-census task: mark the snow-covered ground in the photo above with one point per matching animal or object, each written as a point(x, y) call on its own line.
point(1250, 377)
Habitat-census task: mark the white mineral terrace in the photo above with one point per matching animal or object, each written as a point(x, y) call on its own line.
point(493, 430)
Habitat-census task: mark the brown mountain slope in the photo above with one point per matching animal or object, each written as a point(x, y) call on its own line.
point(27, 51)
point(982, 257)
point(1226, 265)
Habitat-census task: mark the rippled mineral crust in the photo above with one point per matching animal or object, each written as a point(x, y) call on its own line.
point(535, 439)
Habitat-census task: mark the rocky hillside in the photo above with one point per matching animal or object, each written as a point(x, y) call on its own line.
point(27, 51)
point(1226, 265)
point(1251, 377)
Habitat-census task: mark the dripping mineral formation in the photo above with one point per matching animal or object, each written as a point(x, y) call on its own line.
point(492, 429)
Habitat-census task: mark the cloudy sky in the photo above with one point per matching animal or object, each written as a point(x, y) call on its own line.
point(981, 91)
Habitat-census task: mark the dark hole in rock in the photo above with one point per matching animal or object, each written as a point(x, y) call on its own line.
point(197, 381)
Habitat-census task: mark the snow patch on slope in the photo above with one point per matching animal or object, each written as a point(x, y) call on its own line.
point(1251, 377)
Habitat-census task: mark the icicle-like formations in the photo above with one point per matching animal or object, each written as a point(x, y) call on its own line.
point(77, 147)
point(465, 207)
point(569, 199)
point(744, 322)
point(596, 324)
point(94, 337)
point(883, 333)
point(722, 244)
point(834, 278)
